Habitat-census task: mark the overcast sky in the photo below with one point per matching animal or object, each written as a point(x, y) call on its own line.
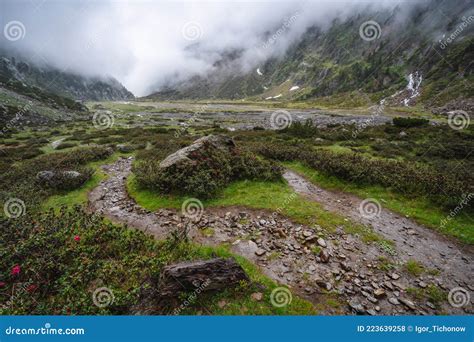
point(146, 43)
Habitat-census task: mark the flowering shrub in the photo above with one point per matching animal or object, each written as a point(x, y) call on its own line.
point(52, 263)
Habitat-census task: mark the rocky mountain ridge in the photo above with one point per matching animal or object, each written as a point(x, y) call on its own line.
point(375, 53)
point(63, 83)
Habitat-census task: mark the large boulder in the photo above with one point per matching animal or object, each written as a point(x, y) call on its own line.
point(219, 142)
point(48, 176)
point(62, 179)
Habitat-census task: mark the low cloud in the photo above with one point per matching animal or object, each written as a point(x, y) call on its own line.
point(147, 45)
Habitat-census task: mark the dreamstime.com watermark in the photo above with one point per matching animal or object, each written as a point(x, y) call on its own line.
point(459, 297)
point(192, 31)
point(18, 289)
point(14, 208)
point(466, 21)
point(192, 297)
point(103, 297)
point(458, 119)
point(280, 297)
point(287, 22)
point(370, 30)
point(191, 120)
point(287, 201)
point(368, 122)
point(455, 211)
point(46, 330)
point(280, 119)
point(103, 120)
point(14, 122)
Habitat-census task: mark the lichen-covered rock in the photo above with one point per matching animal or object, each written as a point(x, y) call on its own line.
point(63, 179)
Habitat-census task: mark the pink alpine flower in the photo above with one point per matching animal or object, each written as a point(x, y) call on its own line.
point(16, 270)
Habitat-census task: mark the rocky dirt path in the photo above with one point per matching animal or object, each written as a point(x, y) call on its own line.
point(110, 199)
point(412, 241)
point(317, 265)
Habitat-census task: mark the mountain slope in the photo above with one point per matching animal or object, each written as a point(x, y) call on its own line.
point(32, 95)
point(22, 104)
point(64, 83)
point(339, 63)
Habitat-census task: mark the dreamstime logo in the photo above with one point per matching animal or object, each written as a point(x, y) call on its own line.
point(287, 201)
point(103, 120)
point(370, 30)
point(281, 297)
point(192, 31)
point(14, 208)
point(102, 297)
point(458, 119)
point(14, 30)
point(458, 297)
point(192, 208)
point(280, 119)
point(370, 208)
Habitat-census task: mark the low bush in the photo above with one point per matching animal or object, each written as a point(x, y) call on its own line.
point(209, 171)
point(65, 145)
point(413, 179)
point(20, 179)
point(409, 122)
point(23, 152)
point(301, 130)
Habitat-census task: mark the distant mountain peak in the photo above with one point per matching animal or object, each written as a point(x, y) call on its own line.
point(64, 83)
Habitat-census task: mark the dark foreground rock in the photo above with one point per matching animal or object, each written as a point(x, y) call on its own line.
point(213, 274)
point(164, 295)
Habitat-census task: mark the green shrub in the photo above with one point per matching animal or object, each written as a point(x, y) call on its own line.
point(65, 145)
point(409, 122)
point(414, 268)
point(405, 177)
point(209, 171)
point(301, 130)
point(20, 179)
